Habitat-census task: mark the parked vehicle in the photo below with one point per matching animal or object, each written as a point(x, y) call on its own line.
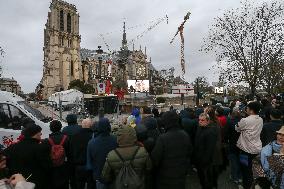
point(15, 112)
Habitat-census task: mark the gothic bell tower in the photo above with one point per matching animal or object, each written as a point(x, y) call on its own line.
point(62, 62)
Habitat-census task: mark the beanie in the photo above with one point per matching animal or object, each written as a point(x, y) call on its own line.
point(31, 130)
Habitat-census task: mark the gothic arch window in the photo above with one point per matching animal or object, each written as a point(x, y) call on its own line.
point(69, 43)
point(68, 23)
point(61, 38)
point(61, 20)
point(72, 68)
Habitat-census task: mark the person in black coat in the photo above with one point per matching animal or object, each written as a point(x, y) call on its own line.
point(268, 133)
point(152, 133)
point(71, 130)
point(30, 158)
point(204, 149)
point(232, 137)
point(78, 152)
point(171, 154)
point(266, 108)
point(59, 174)
point(72, 127)
point(189, 123)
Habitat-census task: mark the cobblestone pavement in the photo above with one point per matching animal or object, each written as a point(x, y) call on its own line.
point(223, 182)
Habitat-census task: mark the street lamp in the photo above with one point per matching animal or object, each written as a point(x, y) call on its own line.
point(99, 51)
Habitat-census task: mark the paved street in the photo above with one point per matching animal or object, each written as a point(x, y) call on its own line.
point(224, 182)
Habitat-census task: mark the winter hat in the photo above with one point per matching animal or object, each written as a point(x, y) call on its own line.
point(150, 123)
point(104, 126)
point(170, 119)
point(71, 118)
point(141, 132)
point(126, 136)
point(31, 130)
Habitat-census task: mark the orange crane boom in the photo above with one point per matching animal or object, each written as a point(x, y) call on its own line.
point(180, 31)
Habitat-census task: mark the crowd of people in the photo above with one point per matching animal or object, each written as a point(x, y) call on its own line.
point(152, 149)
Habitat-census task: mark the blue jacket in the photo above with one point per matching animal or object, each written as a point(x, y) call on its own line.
point(99, 147)
point(267, 151)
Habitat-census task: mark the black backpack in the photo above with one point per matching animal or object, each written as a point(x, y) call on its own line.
point(127, 177)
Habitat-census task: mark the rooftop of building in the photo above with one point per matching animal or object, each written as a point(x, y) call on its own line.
point(8, 79)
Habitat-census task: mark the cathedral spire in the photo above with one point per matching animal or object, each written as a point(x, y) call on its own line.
point(124, 40)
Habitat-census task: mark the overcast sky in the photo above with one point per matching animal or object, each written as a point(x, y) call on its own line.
point(22, 25)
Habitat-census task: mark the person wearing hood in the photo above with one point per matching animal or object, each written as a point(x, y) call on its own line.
point(171, 154)
point(98, 148)
point(128, 150)
point(147, 133)
point(136, 114)
point(189, 123)
point(153, 133)
point(30, 158)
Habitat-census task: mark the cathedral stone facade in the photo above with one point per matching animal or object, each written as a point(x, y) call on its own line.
point(65, 61)
point(62, 62)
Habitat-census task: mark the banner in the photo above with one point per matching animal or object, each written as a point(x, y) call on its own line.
point(101, 88)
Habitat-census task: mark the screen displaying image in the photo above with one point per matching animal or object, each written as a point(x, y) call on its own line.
point(138, 85)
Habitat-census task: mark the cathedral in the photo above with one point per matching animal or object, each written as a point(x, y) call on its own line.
point(65, 60)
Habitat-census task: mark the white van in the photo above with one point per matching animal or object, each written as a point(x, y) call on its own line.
point(14, 112)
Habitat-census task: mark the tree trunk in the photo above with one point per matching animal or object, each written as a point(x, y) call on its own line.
point(252, 90)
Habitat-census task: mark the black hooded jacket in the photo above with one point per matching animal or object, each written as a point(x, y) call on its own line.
point(171, 154)
point(205, 145)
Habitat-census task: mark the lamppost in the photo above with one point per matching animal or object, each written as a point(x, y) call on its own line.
point(99, 51)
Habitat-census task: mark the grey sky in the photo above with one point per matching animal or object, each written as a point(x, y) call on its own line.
point(22, 24)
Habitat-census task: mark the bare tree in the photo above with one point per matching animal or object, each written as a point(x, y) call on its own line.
point(203, 85)
point(273, 76)
point(245, 40)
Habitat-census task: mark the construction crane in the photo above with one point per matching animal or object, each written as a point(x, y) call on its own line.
point(103, 38)
point(153, 23)
point(180, 31)
point(149, 28)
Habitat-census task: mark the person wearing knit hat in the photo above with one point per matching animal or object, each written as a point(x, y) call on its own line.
point(33, 131)
point(72, 127)
point(30, 157)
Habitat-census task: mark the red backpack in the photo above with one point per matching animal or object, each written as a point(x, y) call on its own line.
point(57, 152)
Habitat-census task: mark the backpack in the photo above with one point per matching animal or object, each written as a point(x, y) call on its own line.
point(57, 152)
point(127, 177)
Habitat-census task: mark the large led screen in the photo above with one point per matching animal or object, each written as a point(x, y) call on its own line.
point(138, 85)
